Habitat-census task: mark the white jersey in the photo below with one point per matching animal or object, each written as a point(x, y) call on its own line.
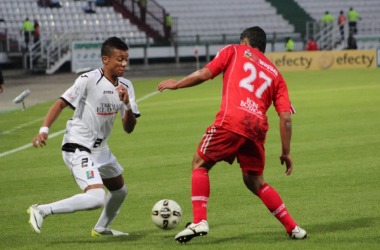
point(96, 103)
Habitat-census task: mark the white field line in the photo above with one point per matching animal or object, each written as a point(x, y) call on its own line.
point(30, 144)
point(59, 132)
point(23, 125)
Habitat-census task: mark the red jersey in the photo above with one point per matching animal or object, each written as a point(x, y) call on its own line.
point(311, 45)
point(250, 84)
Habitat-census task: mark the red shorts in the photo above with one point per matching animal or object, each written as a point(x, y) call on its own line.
point(219, 144)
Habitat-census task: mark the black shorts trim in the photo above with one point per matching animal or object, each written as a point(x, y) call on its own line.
point(71, 147)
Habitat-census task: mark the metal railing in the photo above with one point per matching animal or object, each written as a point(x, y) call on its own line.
point(152, 16)
point(327, 35)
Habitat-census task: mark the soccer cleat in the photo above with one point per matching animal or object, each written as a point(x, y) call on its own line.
point(192, 230)
point(298, 233)
point(37, 217)
point(107, 232)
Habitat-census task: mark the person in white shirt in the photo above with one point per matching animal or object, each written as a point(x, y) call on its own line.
point(96, 97)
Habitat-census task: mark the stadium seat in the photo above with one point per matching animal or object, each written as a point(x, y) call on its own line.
point(69, 18)
point(223, 16)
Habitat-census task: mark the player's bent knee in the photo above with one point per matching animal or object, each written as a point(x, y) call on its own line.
point(98, 197)
point(122, 192)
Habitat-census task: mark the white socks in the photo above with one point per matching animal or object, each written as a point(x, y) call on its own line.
point(114, 200)
point(92, 199)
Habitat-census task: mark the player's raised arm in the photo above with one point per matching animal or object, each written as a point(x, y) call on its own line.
point(286, 135)
point(193, 79)
point(51, 116)
point(129, 119)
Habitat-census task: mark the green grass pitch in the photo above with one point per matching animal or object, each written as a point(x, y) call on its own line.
point(333, 193)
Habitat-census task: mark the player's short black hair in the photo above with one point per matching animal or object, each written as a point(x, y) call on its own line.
point(113, 43)
point(256, 37)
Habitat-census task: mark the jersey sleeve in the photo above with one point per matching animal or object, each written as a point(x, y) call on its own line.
point(73, 95)
point(221, 60)
point(281, 100)
point(132, 101)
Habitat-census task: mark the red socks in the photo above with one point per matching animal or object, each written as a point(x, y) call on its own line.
point(273, 202)
point(200, 191)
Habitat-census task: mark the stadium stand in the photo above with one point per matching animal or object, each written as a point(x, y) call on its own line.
point(197, 22)
point(368, 9)
point(368, 27)
point(292, 12)
point(213, 18)
point(69, 18)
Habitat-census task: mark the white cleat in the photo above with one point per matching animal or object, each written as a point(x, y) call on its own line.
point(107, 232)
point(37, 217)
point(298, 233)
point(191, 231)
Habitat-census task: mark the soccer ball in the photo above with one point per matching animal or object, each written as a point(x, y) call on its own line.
point(166, 214)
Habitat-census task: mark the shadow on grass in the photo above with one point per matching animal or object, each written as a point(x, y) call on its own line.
point(266, 236)
point(278, 236)
point(342, 225)
point(135, 236)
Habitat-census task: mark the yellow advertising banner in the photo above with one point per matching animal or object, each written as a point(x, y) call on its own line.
point(316, 60)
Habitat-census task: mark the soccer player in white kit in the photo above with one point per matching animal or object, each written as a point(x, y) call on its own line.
point(96, 97)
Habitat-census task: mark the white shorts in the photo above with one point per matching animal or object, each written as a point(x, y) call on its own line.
point(91, 168)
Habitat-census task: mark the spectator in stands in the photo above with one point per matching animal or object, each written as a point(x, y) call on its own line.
point(1, 81)
point(102, 3)
point(353, 17)
point(311, 45)
point(327, 18)
point(27, 28)
point(351, 42)
point(2, 20)
point(43, 3)
point(168, 25)
point(55, 4)
point(88, 8)
point(289, 45)
point(341, 22)
point(142, 5)
point(36, 34)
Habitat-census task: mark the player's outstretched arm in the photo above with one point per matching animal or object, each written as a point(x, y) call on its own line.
point(193, 79)
point(51, 116)
point(286, 135)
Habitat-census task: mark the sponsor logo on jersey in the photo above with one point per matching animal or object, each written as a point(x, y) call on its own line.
point(107, 109)
point(251, 56)
point(268, 67)
point(108, 92)
point(247, 53)
point(90, 175)
point(72, 93)
point(251, 107)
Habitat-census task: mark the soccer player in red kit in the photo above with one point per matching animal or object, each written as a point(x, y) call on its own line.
point(250, 84)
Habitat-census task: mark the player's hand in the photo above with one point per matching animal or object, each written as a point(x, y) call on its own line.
point(288, 162)
point(1, 88)
point(123, 94)
point(40, 139)
point(167, 84)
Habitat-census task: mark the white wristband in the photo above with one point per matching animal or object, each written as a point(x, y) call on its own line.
point(127, 106)
point(44, 130)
